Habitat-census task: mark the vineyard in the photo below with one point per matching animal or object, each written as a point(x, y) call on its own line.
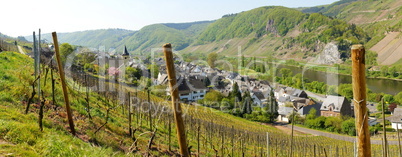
point(114, 119)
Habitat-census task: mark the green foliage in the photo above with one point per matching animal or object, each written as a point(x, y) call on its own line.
point(312, 114)
point(252, 22)
point(133, 74)
point(65, 50)
point(348, 127)
point(84, 58)
point(317, 123)
point(154, 69)
point(398, 98)
point(235, 93)
point(247, 101)
point(333, 124)
point(285, 73)
point(212, 57)
point(346, 90)
point(213, 97)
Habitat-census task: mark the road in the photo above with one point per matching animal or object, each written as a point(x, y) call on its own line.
point(21, 50)
point(315, 96)
point(335, 136)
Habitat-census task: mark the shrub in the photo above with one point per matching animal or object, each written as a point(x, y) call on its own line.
point(348, 127)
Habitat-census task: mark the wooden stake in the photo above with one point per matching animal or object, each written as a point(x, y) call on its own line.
point(384, 130)
point(399, 140)
point(130, 132)
point(63, 83)
point(359, 99)
point(181, 134)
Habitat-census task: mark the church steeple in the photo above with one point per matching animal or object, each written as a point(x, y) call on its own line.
point(125, 53)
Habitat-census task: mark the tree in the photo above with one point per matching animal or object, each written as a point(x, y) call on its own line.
point(255, 64)
point(84, 58)
point(392, 71)
point(312, 114)
point(398, 98)
point(242, 61)
point(154, 69)
point(213, 97)
point(285, 72)
point(348, 127)
point(65, 50)
point(226, 104)
point(212, 57)
point(384, 71)
point(235, 92)
point(272, 107)
point(346, 90)
point(247, 101)
point(388, 98)
point(133, 74)
point(207, 82)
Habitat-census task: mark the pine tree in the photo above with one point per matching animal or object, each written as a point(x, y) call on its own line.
point(247, 101)
point(236, 92)
point(272, 107)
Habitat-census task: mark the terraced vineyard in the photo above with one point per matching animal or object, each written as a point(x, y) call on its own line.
point(102, 123)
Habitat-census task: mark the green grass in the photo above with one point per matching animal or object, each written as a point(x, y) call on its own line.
point(22, 137)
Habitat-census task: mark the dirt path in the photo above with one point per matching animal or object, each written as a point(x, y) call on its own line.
point(21, 50)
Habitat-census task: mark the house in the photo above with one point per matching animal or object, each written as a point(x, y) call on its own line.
point(258, 97)
point(372, 121)
point(284, 112)
point(396, 118)
point(162, 78)
point(232, 76)
point(191, 88)
point(298, 93)
point(336, 106)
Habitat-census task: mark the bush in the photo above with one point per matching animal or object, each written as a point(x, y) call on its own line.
point(317, 123)
point(348, 127)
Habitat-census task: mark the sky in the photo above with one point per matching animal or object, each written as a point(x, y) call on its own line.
point(22, 17)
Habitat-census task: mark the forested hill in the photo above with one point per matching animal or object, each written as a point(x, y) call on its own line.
point(281, 32)
point(179, 34)
point(91, 38)
point(277, 31)
point(381, 19)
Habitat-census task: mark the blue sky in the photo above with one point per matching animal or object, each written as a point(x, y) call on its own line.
point(24, 16)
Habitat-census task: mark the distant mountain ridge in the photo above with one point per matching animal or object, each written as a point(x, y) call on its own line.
point(280, 32)
point(151, 36)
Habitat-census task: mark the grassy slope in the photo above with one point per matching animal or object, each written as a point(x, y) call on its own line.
point(21, 131)
point(20, 135)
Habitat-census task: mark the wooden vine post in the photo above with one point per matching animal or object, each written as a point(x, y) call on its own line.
point(359, 100)
point(63, 83)
point(174, 90)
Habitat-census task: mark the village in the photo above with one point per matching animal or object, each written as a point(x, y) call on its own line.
point(195, 81)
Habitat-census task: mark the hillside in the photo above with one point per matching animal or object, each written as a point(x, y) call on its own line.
point(381, 18)
point(101, 121)
point(180, 34)
point(280, 32)
point(277, 31)
point(90, 38)
point(153, 36)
